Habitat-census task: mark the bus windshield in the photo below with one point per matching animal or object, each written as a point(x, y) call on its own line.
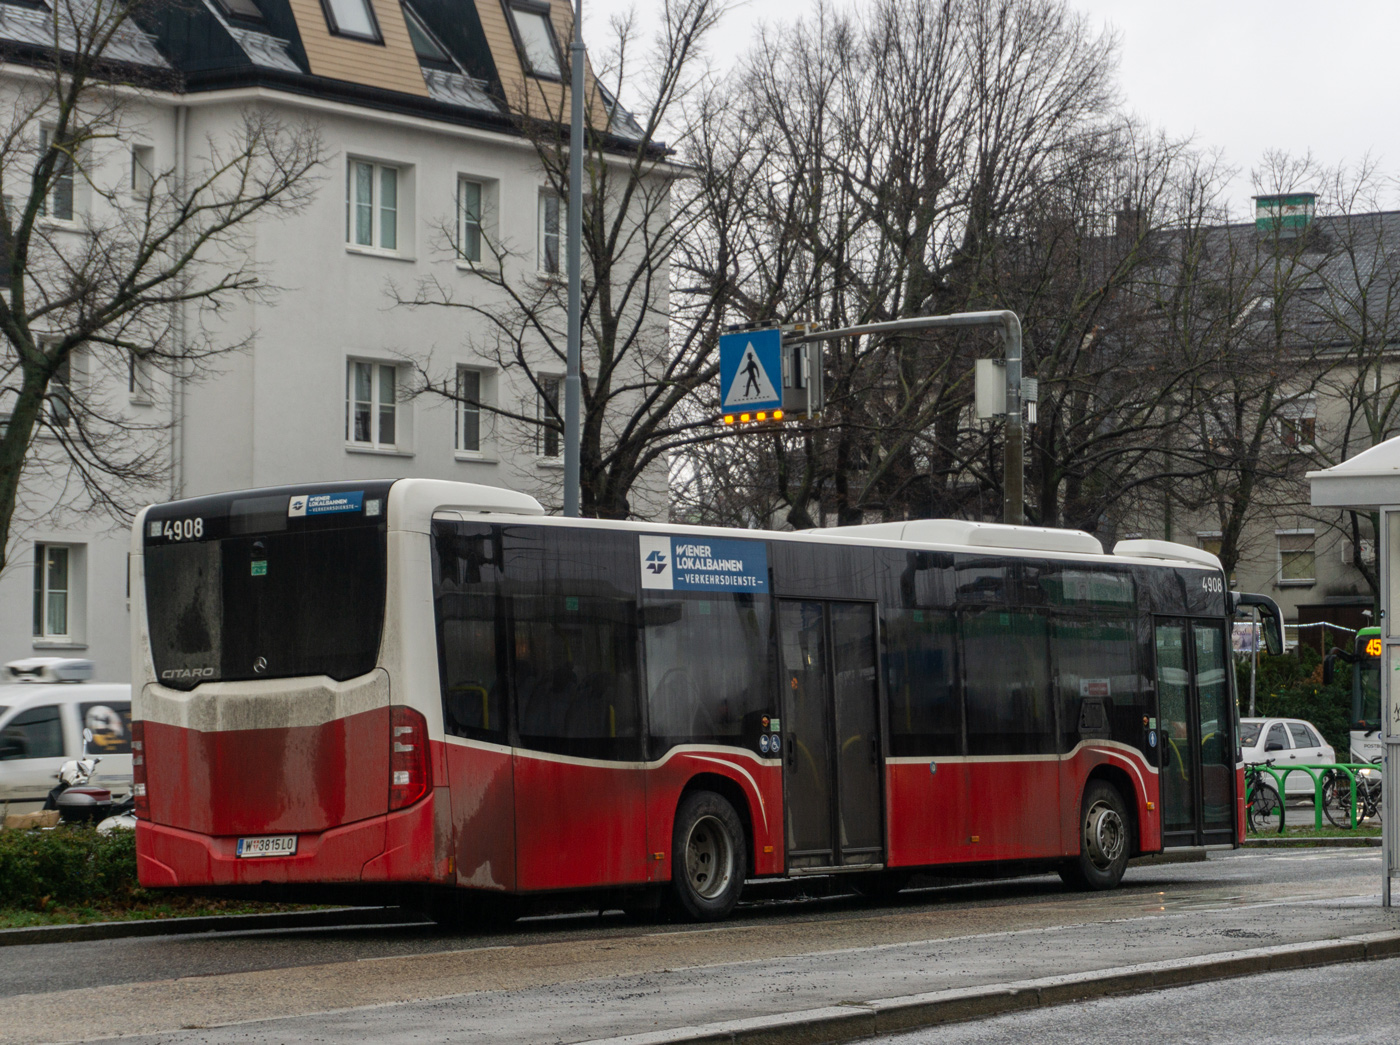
point(1366, 683)
point(258, 595)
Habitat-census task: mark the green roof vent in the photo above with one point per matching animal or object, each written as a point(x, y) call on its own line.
point(1287, 214)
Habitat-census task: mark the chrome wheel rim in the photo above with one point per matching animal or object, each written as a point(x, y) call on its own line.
point(1105, 835)
point(709, 858)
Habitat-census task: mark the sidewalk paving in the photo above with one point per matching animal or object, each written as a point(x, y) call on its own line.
point(693, 985)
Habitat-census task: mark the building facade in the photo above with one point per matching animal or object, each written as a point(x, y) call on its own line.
point(430, 177)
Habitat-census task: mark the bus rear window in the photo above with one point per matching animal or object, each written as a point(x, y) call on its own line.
point(266, 605)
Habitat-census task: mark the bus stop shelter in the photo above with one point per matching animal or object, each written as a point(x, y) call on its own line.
point(1370, 482)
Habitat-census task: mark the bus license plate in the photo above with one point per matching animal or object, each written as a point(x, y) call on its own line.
point(268, 845)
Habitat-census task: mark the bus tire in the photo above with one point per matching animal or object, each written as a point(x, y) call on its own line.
point(708, 857)
point(1104, 840)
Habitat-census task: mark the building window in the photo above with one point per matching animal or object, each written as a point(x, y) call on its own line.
point(372, 205)
point(1209, 541)
point(1298, 423)
point(469, 220)
point(547, 410)
point(1297, 558)
point(353, 18)
point(143, 165)
point(138, 378)
point(58, 203)
point(534, 39)
point(62, 386)
point(244, 9)
point(553, 216)
point(371, 404)
point(469, 410)
point(51, 591)
point(425, 44)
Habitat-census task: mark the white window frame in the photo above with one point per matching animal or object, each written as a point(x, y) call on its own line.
point(139, 379)
point(1294, 582)
point(372, 34)
point(47, 205)
point(1291, 416)
point(378, 368)
point(533, 9)
point(560, 234)
point(44, 593)
point(545, 436)
point(480, 414)
point(466, 225)
point(377, 208)
point(143, 171)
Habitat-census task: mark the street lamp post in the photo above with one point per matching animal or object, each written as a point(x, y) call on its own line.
point(573, 390)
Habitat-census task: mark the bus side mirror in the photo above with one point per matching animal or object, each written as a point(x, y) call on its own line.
point(1273, 636)
point(1329, 669)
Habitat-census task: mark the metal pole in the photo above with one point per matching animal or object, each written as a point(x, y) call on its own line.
point(1253, 656)
point(1014, 464)
point(1013, 467)
point(573, 390)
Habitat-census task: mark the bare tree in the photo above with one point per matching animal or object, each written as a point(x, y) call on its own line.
point(107, 282)
point(638, 368)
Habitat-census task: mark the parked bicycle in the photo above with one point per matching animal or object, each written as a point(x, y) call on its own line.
point(1263, 807)
point(1336, 796)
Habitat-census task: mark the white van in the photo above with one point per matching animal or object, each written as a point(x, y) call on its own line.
point(44, 709)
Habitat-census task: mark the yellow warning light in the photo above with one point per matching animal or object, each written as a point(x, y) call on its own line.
point(762, 416)
point(744, 417)
point(729, 419)
point(777, 415)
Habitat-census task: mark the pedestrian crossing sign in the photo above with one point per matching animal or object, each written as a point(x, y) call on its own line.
point(750, 370)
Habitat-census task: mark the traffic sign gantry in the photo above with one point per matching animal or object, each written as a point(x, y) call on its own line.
point(750, 371)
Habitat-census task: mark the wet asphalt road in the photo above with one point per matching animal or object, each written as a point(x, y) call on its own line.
point(1245, 876)
point(1354, 1004)
point(581, 977)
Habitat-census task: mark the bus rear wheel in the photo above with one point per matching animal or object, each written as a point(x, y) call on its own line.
point(1104, 841)
point(708, 857)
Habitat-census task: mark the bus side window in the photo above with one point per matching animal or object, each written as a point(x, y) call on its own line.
point(1009, 710)
point(925, 712)
point(709, 667)
point(1100, 693)
point(466, 578)
point(573, 603)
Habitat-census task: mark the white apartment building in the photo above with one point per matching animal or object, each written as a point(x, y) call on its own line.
point(417, 106)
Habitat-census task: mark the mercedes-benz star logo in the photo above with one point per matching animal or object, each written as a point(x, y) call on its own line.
point(260, 665)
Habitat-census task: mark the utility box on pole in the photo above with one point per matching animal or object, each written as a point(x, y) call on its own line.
point(991, 389)
point(804, 385)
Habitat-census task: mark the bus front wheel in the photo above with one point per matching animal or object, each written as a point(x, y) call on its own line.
point(708, 857)
point(1104, 841)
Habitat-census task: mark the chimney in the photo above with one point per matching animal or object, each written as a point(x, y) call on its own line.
point(1286, 215)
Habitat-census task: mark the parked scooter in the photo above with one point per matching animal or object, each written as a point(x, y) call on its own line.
point(76, 800)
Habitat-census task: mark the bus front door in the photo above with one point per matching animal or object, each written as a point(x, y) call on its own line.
point(831, 734)
point(1196, 746)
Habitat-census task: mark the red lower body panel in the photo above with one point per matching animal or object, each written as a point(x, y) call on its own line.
point(399, 847)
point(269, 781)
point(963, 811)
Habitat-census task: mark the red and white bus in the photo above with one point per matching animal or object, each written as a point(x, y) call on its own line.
point(430, 691)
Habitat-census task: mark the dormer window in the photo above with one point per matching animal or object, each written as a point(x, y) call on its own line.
point(425, 45)
point(353, 18)
point(246, 10)
point(534, 38)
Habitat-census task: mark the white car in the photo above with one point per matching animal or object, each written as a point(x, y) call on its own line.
point(1289, 742)
point(42, 719)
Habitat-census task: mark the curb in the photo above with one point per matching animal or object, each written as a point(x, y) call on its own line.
point(219, 923)
point(1340, 842)
point(851, 1021)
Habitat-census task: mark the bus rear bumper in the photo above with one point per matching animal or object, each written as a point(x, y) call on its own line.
point(397, 847)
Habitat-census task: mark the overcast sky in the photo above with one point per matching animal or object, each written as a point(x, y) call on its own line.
point(1242, 76)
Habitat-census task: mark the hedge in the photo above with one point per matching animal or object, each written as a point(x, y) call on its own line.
point(67, 866)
